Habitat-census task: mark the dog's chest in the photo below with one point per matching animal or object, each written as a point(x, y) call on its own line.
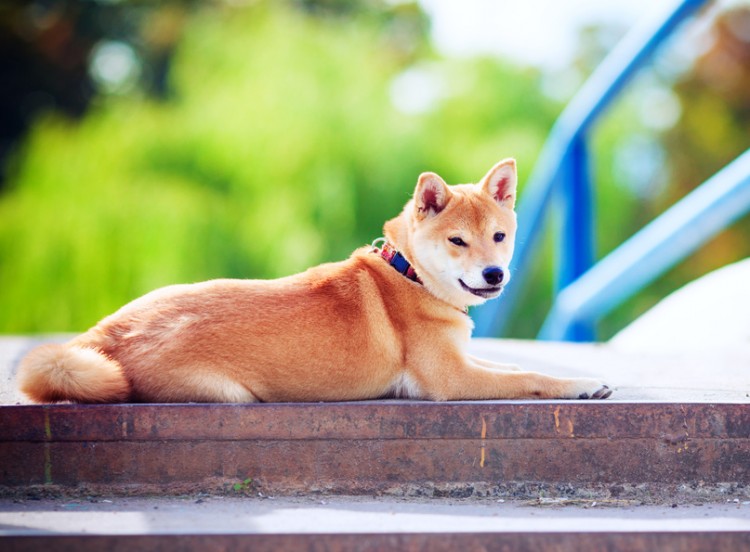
point(404, 386)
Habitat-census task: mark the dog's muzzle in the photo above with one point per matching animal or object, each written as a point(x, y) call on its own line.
point(482, 292)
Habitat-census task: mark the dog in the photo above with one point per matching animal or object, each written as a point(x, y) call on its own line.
point(390, 321)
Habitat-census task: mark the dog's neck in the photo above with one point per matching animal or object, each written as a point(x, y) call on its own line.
point(398, 233)
point(395, 259)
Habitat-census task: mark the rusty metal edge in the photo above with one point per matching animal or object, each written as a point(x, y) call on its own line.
point(375, 420)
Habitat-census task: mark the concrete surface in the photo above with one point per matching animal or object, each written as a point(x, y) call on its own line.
point(255, 515)
point(720, 374)
point(708, 314)
point(716, 375)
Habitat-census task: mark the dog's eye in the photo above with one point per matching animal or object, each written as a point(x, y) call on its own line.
point(457, 241)
point(499, 236)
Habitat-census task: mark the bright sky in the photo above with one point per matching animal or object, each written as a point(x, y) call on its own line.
point(538, 32)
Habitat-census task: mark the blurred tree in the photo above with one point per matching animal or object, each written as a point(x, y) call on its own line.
point(280, 147)
point(682, 119)
point(51, 53)
point(256, 140)
point(715, 97)
point(713, 130)
point(42, 64)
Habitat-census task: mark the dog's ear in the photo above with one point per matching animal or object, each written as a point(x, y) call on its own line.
point(431, 195)
point(500, 182)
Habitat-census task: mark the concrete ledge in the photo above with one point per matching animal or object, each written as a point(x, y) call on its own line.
point(462, 448)
point(676, 424)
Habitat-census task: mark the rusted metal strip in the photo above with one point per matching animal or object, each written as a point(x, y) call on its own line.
point(369, 446)
point(357, 466)
point(375, 420)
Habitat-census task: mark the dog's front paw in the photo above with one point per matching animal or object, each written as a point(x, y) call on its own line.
point(585, 388)
point(602, 393)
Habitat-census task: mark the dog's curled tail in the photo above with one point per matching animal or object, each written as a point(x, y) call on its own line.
point(56, 372)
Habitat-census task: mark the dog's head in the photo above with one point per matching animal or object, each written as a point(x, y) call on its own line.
point(462, 237)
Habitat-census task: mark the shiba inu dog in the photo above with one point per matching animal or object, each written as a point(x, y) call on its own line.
point(391, 321)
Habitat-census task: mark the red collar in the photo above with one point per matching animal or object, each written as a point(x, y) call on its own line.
point(399, 262)
point(395, 259)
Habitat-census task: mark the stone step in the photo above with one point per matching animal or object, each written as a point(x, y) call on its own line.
point(489, 475)
point(411, 448)
point(676, 425)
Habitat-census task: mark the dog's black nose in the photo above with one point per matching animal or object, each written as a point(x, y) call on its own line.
point(493, 275)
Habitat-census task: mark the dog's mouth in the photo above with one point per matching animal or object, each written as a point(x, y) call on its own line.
point(482, 292)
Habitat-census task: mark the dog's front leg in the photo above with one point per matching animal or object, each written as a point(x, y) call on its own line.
point(458, 377)
point(484, 363)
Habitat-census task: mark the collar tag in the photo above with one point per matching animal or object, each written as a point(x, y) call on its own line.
point(399, 263)
point(395, 259)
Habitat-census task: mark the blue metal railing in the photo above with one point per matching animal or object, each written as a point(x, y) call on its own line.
point(563, 166)
point(670, 238)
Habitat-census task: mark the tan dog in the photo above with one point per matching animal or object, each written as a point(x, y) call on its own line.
point(375, 325)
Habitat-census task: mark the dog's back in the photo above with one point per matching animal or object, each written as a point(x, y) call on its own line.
point(325, 334)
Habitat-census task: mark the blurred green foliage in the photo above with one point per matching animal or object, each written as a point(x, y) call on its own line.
point(279, 147)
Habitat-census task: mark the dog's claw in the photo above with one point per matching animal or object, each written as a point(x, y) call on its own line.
point(602, 393)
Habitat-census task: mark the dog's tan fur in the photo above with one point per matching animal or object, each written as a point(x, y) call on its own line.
point(356, 329)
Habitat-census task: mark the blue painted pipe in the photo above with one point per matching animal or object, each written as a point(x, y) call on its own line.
point(575, 241)
point(672, 236)
point(598, 92)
